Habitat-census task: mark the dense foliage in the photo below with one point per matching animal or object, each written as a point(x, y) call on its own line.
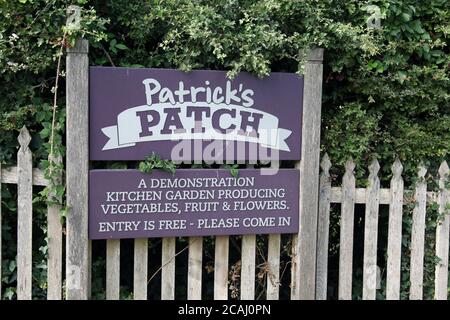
point(386, 89)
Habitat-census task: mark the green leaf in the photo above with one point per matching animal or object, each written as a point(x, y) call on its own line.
point(10, 292)
point(401, 76)
point(121, 46)
point(154, 161)
point(406, 16)
point(417, 26)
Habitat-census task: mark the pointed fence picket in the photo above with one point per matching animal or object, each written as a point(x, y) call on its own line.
point(25, 177)
point(323, 229)
point(418, 237)
point(394, 249)
point(372, 197)
point(24, 217)
point(346, 232)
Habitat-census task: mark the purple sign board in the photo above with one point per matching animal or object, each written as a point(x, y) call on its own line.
point(193, 202)
point(199, 115)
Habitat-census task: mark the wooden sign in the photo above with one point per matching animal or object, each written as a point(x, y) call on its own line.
point(200, 115)
point(193, 202)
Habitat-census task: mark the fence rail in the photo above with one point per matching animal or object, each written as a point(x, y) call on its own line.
point(24, 176)
point(347, 195)
point(373, 196)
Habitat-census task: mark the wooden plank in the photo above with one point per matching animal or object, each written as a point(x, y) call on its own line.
point(273, 260)
point(309, 178)
point(360, 195)
point(24, 217)
point(89, 264)
point(221, 268)
point(54, 242)
point(77, 162)
point(168, 269)
point(140, 273)
point(418, 237)
point(346, 233)
point(248, 257)
point(442, 236)
point(323, 229)
point(294, 267)
point(1, 181)
point(248, 260)
point(54, 262)
point(194, 291)
point(9, 175)
point(113, 269)
point(371, 234)
point(394, 249)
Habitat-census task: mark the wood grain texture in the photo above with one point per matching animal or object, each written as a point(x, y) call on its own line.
point(89, 263)
point(273, 260)
point(418, 237)
point(305, 276)
point(0, 231)
point(384, 195)
point(221, 268)
point(346, 233)
point(323, 229)
point(77, 170)
point(394, 249)
point(194, 290)
point(140, 272)
point(168, 269)
point(55, 249)
point(24, 217)
point(442, 236)
point(113, 269)
point(294, 267)
point(248, 257)
point(9, 175)
point(371, 233)
point(248, 260)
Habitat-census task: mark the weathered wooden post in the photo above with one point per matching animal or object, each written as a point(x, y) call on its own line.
point(0, 227)
point(77, 164)
point(24, 216)
point(304, 264)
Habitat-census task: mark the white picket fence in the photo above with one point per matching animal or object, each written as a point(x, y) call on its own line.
point(373, 196)
point(347, 195)
point(25, 176)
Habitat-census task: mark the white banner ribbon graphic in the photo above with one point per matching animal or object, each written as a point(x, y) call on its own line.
point(128, 129)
